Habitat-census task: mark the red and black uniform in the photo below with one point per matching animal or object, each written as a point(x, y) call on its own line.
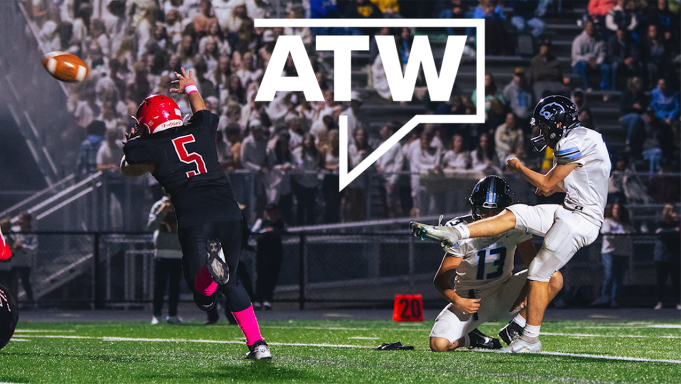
point(186, 164)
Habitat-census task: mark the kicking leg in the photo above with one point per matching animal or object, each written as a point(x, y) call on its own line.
point(448, 236)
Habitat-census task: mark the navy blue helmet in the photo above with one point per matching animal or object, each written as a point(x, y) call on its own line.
point(490, 192)
point(554, 115)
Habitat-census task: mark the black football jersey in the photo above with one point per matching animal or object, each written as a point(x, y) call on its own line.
point(186, 164)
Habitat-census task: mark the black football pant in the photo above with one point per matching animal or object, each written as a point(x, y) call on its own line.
point(167, 271)
point(194, 241)
point(245, 281)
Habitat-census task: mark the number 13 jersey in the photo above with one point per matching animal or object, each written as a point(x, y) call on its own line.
point(186, 164)
point(487, 261)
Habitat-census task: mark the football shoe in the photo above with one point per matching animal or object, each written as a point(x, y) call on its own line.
point(520, 345)
point(259, 351)
point(217, 266)
point(447, 237)
point(480, 340)
point(510, 332)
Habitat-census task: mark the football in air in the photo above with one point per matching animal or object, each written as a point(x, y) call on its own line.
point(64, 66)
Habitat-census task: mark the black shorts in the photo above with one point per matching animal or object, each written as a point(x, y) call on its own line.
point(9, 315)
point(194, 241)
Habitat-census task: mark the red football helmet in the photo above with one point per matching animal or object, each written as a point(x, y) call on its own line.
point(158, 113)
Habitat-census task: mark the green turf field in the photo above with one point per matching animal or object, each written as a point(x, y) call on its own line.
point(333, 351)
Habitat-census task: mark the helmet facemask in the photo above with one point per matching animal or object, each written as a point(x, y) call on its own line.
point(548, 137)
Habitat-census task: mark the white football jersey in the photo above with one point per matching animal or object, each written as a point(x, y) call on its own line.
point(586, 186)
point(487, 261)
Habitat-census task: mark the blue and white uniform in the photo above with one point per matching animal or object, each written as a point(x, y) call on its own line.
point(485, 272)
point(575, 224)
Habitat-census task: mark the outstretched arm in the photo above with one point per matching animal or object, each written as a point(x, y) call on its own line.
point(187, 85)
point(546, 184)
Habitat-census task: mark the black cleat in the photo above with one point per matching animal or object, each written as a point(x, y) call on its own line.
point(259, 351)
point(510, 332)
point(480, 340)
point(217, 266)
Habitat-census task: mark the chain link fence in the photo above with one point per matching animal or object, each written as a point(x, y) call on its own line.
point(350, 267)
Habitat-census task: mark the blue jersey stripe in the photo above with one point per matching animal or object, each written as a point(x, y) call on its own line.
point(573, 156)
point(564, 151)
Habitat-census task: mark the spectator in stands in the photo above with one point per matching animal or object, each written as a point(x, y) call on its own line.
point(254, 158)
point(494, 26)
point(623, 56)
point(526, 14)
point(633, 103)
point(456, 10)
point(353, 206)
point(233, 151)
point(588, 57)
point(665, 102)
point(424, 161)
point(615, 252)
point(328, 161)
point(389, 165)
point(248, 73)
point(519, 96)
point(579, 98)
point(278, 183)
point(87, 157)
point(457, 158)
point(658, 141)
point(598, 9)
point(483, 157)
point(361, 9)
point(655, 54)
point(353, 113)
point(616, 191)
point(269, 256)
point(665, 19)
point(508, 136)
point(305, 183)
point(668, 255)
point(167, 259)
point(205, 85)
point(25, 252)
point(205, 20)
point(492, 94)
point(586, 118)
point(621, 16)
point(665, 187)
point(546, 77)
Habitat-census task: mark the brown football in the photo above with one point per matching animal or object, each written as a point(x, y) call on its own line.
point(65, 66)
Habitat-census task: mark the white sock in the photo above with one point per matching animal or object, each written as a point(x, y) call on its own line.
point(519, 320)
point(464, 233)
point(531, 332)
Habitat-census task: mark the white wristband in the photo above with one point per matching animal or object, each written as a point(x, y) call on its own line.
point(190, 89)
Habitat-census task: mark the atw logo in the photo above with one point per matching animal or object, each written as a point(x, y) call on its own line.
point(401, 85)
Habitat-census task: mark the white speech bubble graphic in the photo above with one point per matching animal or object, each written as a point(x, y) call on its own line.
point(432, 78)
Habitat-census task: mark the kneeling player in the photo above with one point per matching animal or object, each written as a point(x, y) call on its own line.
point(9, 314)
point(485, 288)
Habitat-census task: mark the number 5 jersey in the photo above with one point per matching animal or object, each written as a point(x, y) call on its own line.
point(487, 261)
point(186, 164)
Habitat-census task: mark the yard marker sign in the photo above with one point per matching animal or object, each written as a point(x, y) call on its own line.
point(401, 85)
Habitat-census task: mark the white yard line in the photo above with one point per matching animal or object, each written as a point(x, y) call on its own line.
point(40, 330)
point(607, 357)
point(624, 336)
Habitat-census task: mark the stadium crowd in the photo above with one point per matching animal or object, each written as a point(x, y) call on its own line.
point(291, 145)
